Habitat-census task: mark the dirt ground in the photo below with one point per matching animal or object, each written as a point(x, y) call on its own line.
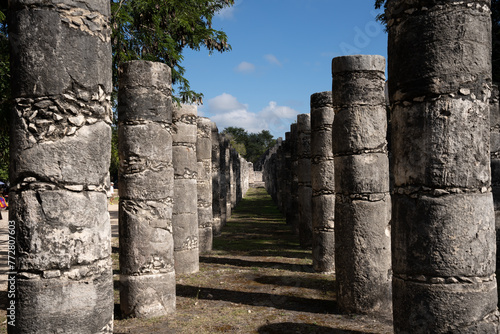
point(256, 280)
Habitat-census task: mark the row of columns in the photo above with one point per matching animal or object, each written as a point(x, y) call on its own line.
point(176, 188)
point(166, 152)
point(340, 166)
point(417, 233)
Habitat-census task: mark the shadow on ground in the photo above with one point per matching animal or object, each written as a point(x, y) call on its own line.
point(292, 328)
point(291, 303)
point(257, 264)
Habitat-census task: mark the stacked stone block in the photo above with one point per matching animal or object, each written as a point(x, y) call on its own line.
point(322, 182)
point(146, 190)
point(304, 179)
point(216, 181)
point(204, 181)
point(362, 203)
point(60, 153)
point(185, 211)
point(443, 216)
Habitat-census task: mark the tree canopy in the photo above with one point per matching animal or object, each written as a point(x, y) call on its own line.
point(159, 31)
point(251, 146)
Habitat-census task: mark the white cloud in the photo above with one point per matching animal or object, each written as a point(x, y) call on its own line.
point(225, 110)
point(224, 103)
point(245, 67)
point(272, 59)
point(241, 119)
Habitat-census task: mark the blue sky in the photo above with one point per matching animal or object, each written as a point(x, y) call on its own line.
point(281, 54)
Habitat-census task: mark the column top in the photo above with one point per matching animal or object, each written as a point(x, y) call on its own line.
point(358, 63)
point(321, 99)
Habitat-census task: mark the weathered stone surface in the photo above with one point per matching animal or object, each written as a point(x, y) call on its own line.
point(358, 87)
point(204, 184)
point(185, 212)
point(60, 153)
point(440, 160)
point(224, 182)
point(360, 128)
point(293, 216)
point(323, 210)
point(442, 69)
point(304, 179)
point(147, 233)
point(57, 55)
point(362, 173)
point(324, 255)
point(76, 231)
point(149, 295)
point(362, 255)
point(464, 226)
point(66, 160)
point(440, 147)
point(362, 203)
point(216, 180)
point(146, 189)
point(322, 182)
point(468, 307)
point(61, 305)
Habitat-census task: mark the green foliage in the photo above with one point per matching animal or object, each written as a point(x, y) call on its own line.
point(381, 17)
point(251, 146)
point(159, 31)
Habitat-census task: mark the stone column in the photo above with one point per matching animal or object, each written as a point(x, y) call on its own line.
point(185, 212)
point(146, 190)
point(224, 179)
point(287, 180)
point(60, 153)
point(304, 179)
point(293, 216)
point(216, 175)
point(229, 179)
point(235, 177)
point(495, 164)
point(362, 202)
point(322, 182)
point(443, 217)
point(204, 181)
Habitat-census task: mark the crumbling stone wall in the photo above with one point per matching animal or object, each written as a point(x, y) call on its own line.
point(322, 182)
point(362, 202)
point(443, 217)
point(204, 181)
point(185, 211)
point(304, 179)
point(146, 179)
point(60, 153)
